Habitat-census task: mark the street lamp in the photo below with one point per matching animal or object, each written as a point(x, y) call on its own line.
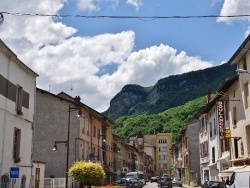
point(71, 109)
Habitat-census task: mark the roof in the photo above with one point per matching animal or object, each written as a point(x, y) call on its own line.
point(14, 58)
point(241, 51)
point(220, 92)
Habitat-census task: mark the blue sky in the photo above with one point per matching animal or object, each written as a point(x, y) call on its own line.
point(96, 57)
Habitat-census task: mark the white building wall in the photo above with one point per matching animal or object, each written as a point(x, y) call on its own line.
point(13, 70)
point(213, 133)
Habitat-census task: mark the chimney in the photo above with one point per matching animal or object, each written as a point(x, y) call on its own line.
point(77, 99)
point(208, 96)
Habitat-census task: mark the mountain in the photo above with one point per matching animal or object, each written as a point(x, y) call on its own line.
point(168, 105)
point(168, 92)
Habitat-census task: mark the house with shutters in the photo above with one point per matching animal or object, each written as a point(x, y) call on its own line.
point(17, 104)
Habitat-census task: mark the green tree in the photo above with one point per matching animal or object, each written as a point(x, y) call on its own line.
point(88, 173)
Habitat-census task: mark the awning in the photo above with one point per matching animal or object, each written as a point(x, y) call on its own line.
point(224, 158)
point(212, 164)
point(230, 171)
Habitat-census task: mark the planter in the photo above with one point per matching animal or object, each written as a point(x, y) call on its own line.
point(17, 160)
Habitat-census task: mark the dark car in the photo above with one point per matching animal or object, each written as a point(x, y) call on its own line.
point(166, 182)
point(129, 183)
point(177, 182)
point(154, 179)
point(214, 184)
point(122, 182)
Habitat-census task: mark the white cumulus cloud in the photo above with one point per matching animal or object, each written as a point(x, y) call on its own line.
point(95, 67)
point(234, 7)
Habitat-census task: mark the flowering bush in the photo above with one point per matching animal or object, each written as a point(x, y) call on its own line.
point(88, 173)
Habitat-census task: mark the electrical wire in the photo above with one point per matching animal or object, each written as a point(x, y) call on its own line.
point(124, 17)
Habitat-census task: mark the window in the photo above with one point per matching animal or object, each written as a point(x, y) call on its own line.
point(94, 131)
point(226, 109)
point(165, 165)
point(234, 117)
point(19, 99)
point(211, 129)
point(236, 152)
point(202, 125)
point(215, 131)
point(246, 95)
point(16, 143)
point(213, 155)
point(227, 144)
point(245, 63)
point(203, 149)
point(4, 182)
point(186, 160)
point(23, 182)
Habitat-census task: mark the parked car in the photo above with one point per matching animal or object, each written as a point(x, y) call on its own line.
point(214, 184)
point(122, 182)
point(165, 175)
point(136, 178)
point(177, 182)
point(166, 182)
point(154, 179)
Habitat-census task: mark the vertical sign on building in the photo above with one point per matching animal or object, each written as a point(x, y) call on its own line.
point(221, 120)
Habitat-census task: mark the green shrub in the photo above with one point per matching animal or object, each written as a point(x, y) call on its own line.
point(88, 173)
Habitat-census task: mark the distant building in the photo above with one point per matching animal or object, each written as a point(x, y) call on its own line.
point(158, 147)
point(185, 152)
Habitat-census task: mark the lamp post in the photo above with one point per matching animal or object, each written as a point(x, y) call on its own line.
point(71, 109)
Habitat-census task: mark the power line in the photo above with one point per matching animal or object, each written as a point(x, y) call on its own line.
point(123, 17)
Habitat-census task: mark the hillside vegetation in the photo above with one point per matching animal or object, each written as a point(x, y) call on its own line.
point(170, 121)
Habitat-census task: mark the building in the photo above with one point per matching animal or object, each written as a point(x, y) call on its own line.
point(56, 124)
point(225, 121)
point(186, 164)
point(17, 104)
point(239, 113)
point(158, 149)
point(214, 120)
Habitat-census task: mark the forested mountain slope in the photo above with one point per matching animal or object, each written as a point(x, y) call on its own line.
point(167, 105)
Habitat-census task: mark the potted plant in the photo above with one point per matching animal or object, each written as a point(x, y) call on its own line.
point(17, 160)
point(19, 112)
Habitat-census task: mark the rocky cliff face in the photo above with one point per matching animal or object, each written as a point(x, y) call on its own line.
point(129, 96)
point(168, 92)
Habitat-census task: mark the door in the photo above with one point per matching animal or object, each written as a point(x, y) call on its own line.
point(37, 178)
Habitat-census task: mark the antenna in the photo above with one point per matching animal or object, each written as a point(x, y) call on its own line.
point(49, 88)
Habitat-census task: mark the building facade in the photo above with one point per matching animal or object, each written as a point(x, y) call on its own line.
point(17, 103)
point(89, 136)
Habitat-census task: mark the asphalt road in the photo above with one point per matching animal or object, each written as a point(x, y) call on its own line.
point(152, 185)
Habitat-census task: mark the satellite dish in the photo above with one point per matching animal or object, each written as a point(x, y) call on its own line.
point(1, 18)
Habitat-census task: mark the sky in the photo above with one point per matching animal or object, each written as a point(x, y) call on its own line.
point(93, 48)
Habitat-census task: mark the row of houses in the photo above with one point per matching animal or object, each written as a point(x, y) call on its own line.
point(42, 134)
point(218, 143)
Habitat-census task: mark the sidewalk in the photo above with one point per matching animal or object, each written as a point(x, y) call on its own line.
point(188, 186)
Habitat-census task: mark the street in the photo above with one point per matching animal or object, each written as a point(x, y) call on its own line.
point(152, 185)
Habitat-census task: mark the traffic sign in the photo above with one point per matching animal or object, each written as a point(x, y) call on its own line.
point(14, 172)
